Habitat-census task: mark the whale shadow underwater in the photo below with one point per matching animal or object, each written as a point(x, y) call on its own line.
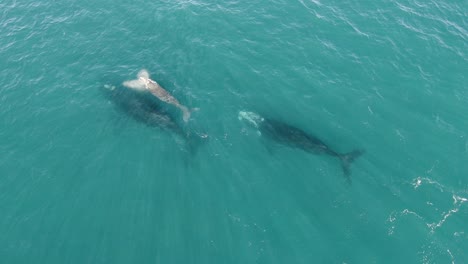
point(294, 137)
point(143, 108)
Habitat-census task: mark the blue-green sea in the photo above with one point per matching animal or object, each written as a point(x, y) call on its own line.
point(83, 180)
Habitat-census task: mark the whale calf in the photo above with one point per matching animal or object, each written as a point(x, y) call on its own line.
point(145, 83)
point(142, 108)
point(145, 109)
point(296, 138)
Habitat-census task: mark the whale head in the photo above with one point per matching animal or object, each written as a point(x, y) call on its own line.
point(251, 118)
point(141, 83)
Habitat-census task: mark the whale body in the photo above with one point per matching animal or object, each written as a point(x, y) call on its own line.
point(145, 109)
point(294, 137)
point(142, 108)
point(145, 83)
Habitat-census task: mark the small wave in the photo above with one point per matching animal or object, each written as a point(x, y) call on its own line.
point(434, 217)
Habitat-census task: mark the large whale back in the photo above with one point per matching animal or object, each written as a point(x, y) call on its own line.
point(145, 109)
point(142, 108)
point(295, 137)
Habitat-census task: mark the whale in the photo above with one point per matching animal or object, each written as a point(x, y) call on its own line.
point(144, 83)
point(291, 136)
point(145, 109)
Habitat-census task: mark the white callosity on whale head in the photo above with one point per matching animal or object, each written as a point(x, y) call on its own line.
point(251, 117)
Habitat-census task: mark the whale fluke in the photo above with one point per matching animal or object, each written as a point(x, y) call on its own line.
point(186, 113)
point(348, 158)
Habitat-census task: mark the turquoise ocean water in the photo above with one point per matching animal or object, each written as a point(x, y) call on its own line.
point(83, 181)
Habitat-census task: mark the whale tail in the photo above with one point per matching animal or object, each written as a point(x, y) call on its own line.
point(347, 159)
point(138, 84)
point(187, 112)
point(195, 140)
